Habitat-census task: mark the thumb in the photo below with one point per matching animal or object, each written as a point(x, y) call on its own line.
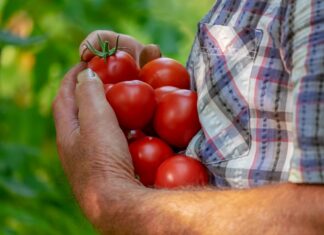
point(148, 53)
point(94, 110)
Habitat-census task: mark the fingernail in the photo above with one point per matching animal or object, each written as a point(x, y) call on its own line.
point(87, 75)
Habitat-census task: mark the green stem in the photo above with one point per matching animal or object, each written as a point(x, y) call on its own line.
point(105, 48)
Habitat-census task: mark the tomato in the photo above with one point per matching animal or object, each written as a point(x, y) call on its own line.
point(165, 72)
point(132, 135)
point(161, 91)
point(118, 67)
point(133, 103)
point(180, 171)
point(107, 87)
point(111, 64)
point(147, 154)
point(176, 118)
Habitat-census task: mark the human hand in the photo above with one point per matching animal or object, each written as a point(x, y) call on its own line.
point(141, 53)
point(92, 147)
point(95, 157)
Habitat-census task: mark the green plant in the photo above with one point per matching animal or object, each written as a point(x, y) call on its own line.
point(39, 42)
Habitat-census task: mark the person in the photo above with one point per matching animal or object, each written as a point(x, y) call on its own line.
point(258, 69)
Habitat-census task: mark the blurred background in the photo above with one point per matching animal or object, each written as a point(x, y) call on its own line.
point(39, 42)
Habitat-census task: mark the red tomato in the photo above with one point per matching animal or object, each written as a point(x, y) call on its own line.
point(161, 91)
point(181, 171)
point(133, 103)
point(147, 154)
point(165, 72)
point(176, 117)
point(107, 87)
point(132, 135)
point(118, 67)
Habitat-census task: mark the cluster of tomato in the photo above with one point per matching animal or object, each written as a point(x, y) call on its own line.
point(157, 112)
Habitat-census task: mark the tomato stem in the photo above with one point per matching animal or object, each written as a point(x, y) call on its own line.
point(105, 48)
point(114, 50)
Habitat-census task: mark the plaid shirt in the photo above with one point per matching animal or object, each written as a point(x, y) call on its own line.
point(258, 68)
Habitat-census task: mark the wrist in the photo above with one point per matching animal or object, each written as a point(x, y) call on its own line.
point(105, 202)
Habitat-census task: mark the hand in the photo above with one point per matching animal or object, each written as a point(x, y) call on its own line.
point(141, 53)
point(95, 157)
point(92, 147)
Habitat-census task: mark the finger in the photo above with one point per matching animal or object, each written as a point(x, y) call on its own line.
point(95, 113)
point(149, 52)
point(126, 43)
point(64, 105)
point(92, 38)
point(99, 128)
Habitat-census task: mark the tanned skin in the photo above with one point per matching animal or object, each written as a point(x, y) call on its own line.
point(96, 160)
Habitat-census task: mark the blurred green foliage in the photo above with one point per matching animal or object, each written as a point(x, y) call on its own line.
point(38, 43)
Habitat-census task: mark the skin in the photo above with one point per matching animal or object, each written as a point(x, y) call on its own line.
point(100, 171)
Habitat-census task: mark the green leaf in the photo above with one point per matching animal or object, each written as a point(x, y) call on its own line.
point(7, 38)
point(17, 188)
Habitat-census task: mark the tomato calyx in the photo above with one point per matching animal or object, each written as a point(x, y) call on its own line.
point(105, 51)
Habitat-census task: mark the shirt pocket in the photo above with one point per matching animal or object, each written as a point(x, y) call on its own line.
point(224, 67)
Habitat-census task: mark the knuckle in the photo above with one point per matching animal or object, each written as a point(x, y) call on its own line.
point(65, 142)
point(93, 35)
point(95, 32)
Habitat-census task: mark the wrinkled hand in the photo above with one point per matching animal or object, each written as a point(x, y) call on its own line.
point(92, 147)
point(141, 53)
point(89, 139)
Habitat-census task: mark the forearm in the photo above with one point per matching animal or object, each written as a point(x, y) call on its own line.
point(284, 209)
